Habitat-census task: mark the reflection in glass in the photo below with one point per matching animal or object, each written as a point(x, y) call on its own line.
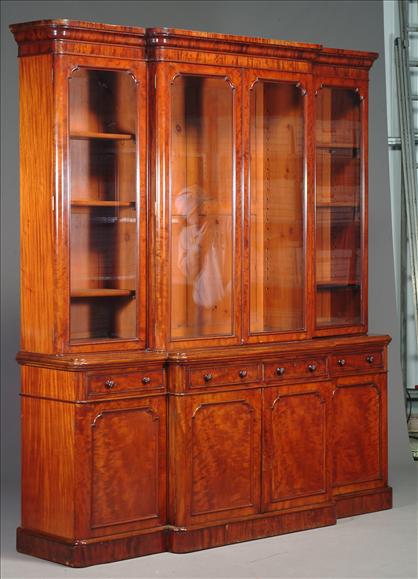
point(103, 183)
point(202, 191)
point(338, 207)
point(276, 207)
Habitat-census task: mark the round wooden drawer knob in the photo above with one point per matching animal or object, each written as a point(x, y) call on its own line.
point(312, 367)
point(109, 384)
point(243, 373)
point(341, 362)
point(146, 380)
point(207, 377)
point(280, 371)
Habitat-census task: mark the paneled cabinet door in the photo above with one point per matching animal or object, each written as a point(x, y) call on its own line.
point(122, 470)
point(216, 456)
point(296, 458)
point(359, 433)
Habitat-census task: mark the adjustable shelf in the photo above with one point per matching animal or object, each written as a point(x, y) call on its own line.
point(99, 203)
point(340, 146)
point(85, 135)
point(337, 205)
point(337, 284)
point(102, 293)
point(338, 322)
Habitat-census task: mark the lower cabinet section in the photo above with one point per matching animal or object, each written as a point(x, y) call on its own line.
point(115, 478)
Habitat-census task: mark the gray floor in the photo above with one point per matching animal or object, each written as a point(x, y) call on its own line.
point(370, 546)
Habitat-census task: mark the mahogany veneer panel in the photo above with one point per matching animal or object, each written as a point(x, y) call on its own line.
point(36, 207)
point(216, 466)
point(296, 454)
point(48, 466)
point(115, 439)
point(121, 484)
point(359, 433)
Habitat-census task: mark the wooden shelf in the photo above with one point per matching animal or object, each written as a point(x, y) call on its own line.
point(342, 146)
point(103, 136)
point(326, 323)
point(94, 203)
point(102, 293)
point(335, 284)
point(337, 205)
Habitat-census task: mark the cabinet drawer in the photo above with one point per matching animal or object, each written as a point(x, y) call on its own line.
point(281, 370)
point(112, 384)
point(365, 361)
point(216, 376)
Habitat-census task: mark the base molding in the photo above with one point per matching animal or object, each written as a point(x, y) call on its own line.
point(362, 502)
point(186, 540)
point(83, 553)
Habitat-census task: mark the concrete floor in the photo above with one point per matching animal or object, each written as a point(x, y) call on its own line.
point(376, 546)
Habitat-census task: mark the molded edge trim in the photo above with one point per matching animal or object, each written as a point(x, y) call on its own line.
point(160, 37)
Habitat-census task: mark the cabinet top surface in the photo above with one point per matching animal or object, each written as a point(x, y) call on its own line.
point(86, 361)
point(61, 29)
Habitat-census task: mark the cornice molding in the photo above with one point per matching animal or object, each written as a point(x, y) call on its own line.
point(48, 36)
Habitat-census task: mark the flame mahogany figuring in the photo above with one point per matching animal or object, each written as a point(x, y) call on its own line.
point(150, 444)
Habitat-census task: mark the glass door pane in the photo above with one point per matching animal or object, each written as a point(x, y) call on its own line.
point(103, 193)
point(338, 207)
point(277, 208)
point(202, 207)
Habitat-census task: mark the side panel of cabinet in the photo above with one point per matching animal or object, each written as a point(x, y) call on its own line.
point(36, 209)
point(296, 457)
point(359, 433)
point(122, 476)
point(215, 454)
point(48, 466)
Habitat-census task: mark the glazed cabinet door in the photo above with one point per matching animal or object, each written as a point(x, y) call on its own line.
point(199, 261)
point(275, 273)
point(215, 456)
point(341, 216)
point(359, 432)
point(296, 453)
point(102, 204)
point(122, 466)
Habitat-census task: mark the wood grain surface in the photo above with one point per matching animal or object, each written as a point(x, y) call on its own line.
point(155, 417)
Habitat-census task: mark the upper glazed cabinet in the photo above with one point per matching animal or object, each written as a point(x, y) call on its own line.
point(276, 196)
point(262, 219)
point(204, 267)
point(244, 255)
point(200, 205)
point(340, 226)
point(103, 203)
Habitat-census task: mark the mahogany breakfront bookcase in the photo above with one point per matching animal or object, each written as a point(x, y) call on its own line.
point(196, 368)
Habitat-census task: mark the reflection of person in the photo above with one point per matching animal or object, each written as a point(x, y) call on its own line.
point(201, 250)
